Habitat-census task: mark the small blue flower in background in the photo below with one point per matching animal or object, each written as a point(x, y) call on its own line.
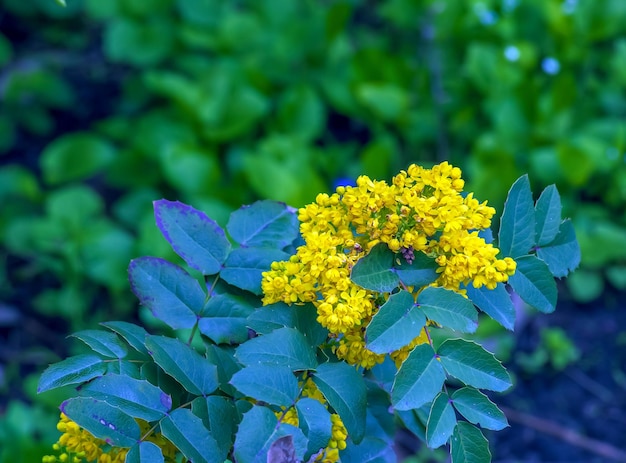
point(343, 181)
point(550, 65)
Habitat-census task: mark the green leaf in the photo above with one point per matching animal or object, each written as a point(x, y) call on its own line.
point(275, 386)
point(219, 416)
point(187, 432)
point(258, 430)
point(562, 255)
point(449, 309)
point(421, 272)
point(306, 323)
point(225, 319)
point(496, 303)
point(283, 347)
point(534, 283)
point(264, 224)
point(517, 224)
point(196, 373)
point(374, 271)
point(548, 215)
point(61, 2)
point(137, 398)
point(468, 445)
point(103, 421)
point(473, 365)
point(170, 293)
point(441, 421)
point(199, 240)
point(134, 335)
point(266, 319)
point(72, 370)
point(75, 156)
point(244, 267)
point(344, 389)
point(145, 452)
point(419, 379)
point(315, 422)
point(103, 342)
point(396, 324)
point(227, 366)
point(478, 409)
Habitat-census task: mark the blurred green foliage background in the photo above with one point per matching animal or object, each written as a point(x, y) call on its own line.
point(107, 105)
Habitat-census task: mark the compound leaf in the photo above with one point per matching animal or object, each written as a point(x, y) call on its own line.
point(145, 452)
point(315, 422)
point(517, 224)
point(264, 224)
point(534, 283)
point(449, 309)
point(495, 302)
point(225, 319)
point(187, 432)
point(548, 215)
point(478, 409)
point(441, 421)
point(282, 347)
point(562, 255)
point(244, 267)
point(72, 370)
point(468, 445)
point(134, 335)
point(276, 386)
point(103, 342)
point(374, 271)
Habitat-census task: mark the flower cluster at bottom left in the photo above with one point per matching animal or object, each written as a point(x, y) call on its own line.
point(77, 445)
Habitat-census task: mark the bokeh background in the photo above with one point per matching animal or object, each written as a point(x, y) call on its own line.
point(107, 105)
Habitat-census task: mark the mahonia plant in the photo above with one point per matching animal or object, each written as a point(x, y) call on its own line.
point(312, 335)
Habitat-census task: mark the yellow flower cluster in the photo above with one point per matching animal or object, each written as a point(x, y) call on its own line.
point(339, 434)
point(77, 445)
point(421, 210)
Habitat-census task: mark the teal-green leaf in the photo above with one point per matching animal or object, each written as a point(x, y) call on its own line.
point(145, 452)
point(473, 365)
point(562, 255)
point(282, 347)
point(315, 422)
point(478, 409)
point(264, 224)
point(275, 386)
point(421, 272)
point(72, 370)
point(75, 156)
point(103, 420)
point(103, 342)
point(196, 373)
point(219, 416)
point(187, 432)
point(419, 379)
point(495, 302)
point(137, 398)
point(244, 267)
point(517, 224)
point(225, 319)
point(345, 391)
point(548, 215)
point(266, 319)
point(199, 240)
point(468, 445)
point(134, 335)
point(307, 324)
point(534, 283)
point(396, 324)
point(449, 309)
point(258, 430)
point(170, 293)
point(227, 366)
point(375, 271)
point(441, 421)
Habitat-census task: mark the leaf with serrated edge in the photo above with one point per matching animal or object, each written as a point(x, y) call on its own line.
point(225, 319)
point(441, 421)
point(284, 346)
point(419, 379)
point(73, 370)
point(199, 240)
point(138, 398)
point(562, 255)
point(449, 309)
point(517, 223)
point(196, 373)
point(534, 283)
point(478, 409)
point(548, 215)
point(170, 293)
point(396, 324)
point(495, 302)
point(103, 420)
point(264, 224)
point(473, 365)
point(134, 335)
point(421, 272)
point(244, 267)
point(219, 416)
point(276, 386)
point(374, 271)
point(468, 445)
point(316, 423)
point(345, 391)
point(145, 452)
point(187, 432)
point(103, 342)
